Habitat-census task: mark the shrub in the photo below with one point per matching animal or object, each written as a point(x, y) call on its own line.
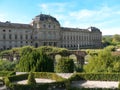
point(64, 65)
point(31, 79)
point(6, 81)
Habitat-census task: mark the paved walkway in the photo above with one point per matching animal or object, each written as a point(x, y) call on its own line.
point(65, 75)
point(95, 84)
point(3, 87)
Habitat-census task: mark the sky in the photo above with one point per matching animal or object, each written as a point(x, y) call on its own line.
point(103, 14)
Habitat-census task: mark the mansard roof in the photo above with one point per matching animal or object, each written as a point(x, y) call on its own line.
point(44, 17)
point(74, 29)
point(15, 25)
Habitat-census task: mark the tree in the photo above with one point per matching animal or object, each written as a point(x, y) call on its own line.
point(116, 38)
point(105, 61)
point(65, 65)
point(34, 60)
point(44, 63)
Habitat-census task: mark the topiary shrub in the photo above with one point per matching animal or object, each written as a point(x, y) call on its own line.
point(31, 79)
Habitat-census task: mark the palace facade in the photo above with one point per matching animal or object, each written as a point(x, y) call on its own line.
point(45, 30)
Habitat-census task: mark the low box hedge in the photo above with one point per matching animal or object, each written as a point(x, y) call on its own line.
point(96, 76)
point(6, 73)
point(47, 75)
point(18, 77)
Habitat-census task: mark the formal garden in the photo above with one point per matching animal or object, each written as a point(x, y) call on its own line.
point(40, 68)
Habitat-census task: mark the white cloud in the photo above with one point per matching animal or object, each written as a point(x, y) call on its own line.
point(53, 7)
point(110, 31)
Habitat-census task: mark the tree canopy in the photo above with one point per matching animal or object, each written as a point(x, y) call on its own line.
point(103, 62)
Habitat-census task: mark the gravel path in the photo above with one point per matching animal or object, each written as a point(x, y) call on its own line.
point(65, 75)
point(94, 84)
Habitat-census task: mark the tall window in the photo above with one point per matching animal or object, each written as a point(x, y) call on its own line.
point(15, 36)
point(4, 37)
point(49, 26)
point(54, 26)
point(21, 37)
point(26, 36)
point(10, 36)
point(44, 26)
point(31, 37)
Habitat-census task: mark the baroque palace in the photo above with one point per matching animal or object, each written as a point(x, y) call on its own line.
point(45, 30)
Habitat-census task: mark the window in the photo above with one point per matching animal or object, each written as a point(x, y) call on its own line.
point(21, 37)
point(54, 26)
point(26, 36)
point(4, 47)
point(10, 36)
point(44, 26)
point(15, 36)
point(31, 37)
point(4, 37)
point(3, 30)
point(49, 26)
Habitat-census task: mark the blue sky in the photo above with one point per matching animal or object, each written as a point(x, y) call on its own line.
point(103, 14)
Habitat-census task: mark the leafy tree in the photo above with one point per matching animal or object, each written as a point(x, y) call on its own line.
point(33, 60)
point(103, 62)
point(44, 63)
point(65, 65)
point(116, 38)
point(100, 63)
point(107, 40)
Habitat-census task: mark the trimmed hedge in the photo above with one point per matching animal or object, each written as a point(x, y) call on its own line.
point(60, 82)
point(96, 76)
point(47, 75)
point(31, 80)
point(6, 73)
point(18, 77)
point(45, 86)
